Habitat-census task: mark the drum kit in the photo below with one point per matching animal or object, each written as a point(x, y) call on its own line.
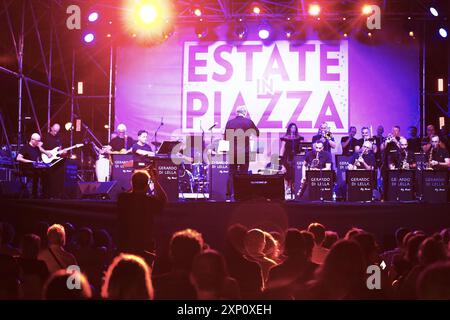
point(194, 180)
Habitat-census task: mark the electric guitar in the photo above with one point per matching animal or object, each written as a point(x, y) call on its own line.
point(56, 153)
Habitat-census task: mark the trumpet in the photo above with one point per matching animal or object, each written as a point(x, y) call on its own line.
point(328, 135)
point(390, 138)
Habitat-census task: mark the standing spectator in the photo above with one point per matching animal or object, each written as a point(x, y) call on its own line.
point(136, 215)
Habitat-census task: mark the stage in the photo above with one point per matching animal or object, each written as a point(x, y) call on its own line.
point(213, 218)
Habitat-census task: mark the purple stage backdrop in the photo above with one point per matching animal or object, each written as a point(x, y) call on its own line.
point(191, 85)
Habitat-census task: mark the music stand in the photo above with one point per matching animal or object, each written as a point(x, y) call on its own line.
point(166, 147)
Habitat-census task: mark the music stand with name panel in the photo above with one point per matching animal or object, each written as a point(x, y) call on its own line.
point(435, 186)
point(219, 174)
point(320, 184)
point(401, 185)
point(342, 163)
point(360, 185)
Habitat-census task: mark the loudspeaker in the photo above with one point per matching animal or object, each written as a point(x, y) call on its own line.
point(99, 190)
point(248, 186)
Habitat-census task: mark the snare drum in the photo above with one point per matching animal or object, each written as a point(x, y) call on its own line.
point(103, 169)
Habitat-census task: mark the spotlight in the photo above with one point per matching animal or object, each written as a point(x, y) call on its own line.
point(89, 37)
point(367, 9)
point(314, 9)
point(201, 30)
point(147, 13)
point(198, 12)
point(93, 16)
point(256, 9)
point(241, 30)
point(443, 32)
point(411, 34)
point(434, 11)
point(264, 31)
point(68, 126)
point(289, 31)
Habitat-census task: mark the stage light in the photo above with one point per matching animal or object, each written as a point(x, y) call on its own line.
point(89, 37)
point(367, 9)
point(345, 35)
point(443, 32)
point(148, 13)
point(201, 30)
point(264, 30)
point(241, 30)
point(93, 16)
point(411, 34)
point(369, 34)
point(146, 18)
point(256, 9)
point(198, 12)
point(314, 9)
point(68, 126)
point(434, 11)
point(289, 31)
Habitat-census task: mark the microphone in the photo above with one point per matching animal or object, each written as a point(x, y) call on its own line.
point(162, 121)
point(213, 126)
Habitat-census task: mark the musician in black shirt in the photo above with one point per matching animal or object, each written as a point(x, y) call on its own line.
point(141, 150)
point(414, 143)
point(122, 142)
point(440, 158)
point(52, 139)
point(404, 158)
point(324, 135)
point(349, 142)
point(364, 159)
point(28, 157)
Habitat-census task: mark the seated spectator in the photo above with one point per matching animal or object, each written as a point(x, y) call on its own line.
point(308, 238)
point(136, 215)
point(388, 256)
point(352, 232)
point(7, 234)
point(128, 278)
point(92, 261)
point(293, 272)
point(434, 282)
point(431, 251)
point(331, 237)
point(247, 273)
point(102, 239)
point(70, 245)
point(342, 275)
point(9, 278)
point(272, 248)
point(255, 242)
point(56, 287)
point(33, 272)
point(40, 230)
point(319, 253)
point(175, 285)
point(210, 277)
point(55, 257)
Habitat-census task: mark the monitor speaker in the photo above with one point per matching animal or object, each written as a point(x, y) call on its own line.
point(99, 190)
point(248, 186)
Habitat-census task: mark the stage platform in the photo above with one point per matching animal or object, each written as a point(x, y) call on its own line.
point(213, 218)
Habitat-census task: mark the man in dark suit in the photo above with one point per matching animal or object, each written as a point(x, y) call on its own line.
point(238, 132)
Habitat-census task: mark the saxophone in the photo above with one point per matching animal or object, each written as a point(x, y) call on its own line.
point(359, 161)
point(428, 163)
point(315, 162)
point(405, 164)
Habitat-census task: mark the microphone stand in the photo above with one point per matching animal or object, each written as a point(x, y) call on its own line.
point(156, 133)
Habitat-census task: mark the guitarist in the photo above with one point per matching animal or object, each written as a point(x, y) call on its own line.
point(121, 142)
point(52, 139)
point(29, 155)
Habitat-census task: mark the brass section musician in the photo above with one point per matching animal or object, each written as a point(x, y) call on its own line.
point(437, 157)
